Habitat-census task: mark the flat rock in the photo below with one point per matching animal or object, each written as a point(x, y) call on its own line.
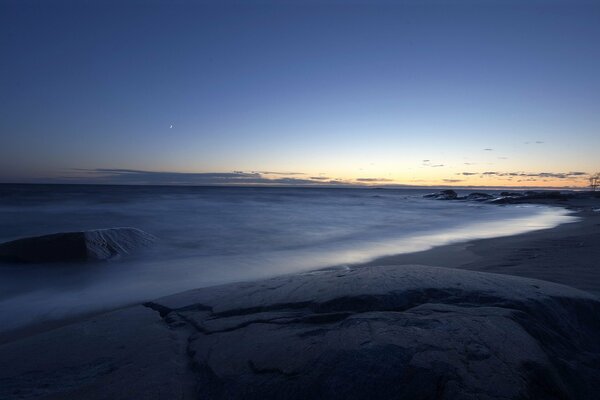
point(403, 332)
point(100, 244)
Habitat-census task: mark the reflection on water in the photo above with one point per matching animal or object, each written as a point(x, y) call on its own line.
point(216, 235)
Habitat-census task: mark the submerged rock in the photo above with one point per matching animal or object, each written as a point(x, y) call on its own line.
point(542, 197)
point(101, 244)
point(511, 194)
point(443, 195)
point(532, 197)
point(477, 196)
point(404, 332)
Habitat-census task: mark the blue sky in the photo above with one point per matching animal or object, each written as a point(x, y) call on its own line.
point(361, 90)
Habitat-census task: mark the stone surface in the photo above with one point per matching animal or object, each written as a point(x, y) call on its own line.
point(405, 332)
point(539, 197)
point(100, 244)
point(443, 195)
point(479, 196)
point(126, 354)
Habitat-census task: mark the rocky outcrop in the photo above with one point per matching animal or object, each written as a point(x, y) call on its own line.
point(101, 244)
point(477, 196)
point(510, 197)
point(511, 194)
point(443, 195)
point(533, 197)
point(404, 332)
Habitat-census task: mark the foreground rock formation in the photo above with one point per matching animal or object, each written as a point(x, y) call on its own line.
point(100, 244)
point(403, 332)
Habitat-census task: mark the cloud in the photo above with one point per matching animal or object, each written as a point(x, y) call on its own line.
point(488, 149)
point(276, 173)
point(139, 177)
point(373, 180)
point(427, 163)
point(532, 176)
point(453, 180)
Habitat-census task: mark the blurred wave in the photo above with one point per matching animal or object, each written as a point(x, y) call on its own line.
point(213, 235)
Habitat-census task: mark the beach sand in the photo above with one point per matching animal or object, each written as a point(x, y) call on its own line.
point(568, 254)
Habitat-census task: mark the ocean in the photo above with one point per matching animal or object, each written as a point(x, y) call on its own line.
point(213, 235)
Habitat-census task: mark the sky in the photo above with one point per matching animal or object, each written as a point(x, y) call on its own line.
point(418, 93)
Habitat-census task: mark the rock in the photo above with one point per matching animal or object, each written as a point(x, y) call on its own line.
point(406, 332)
point(511, 194)
point(477, 196)
point(101, 244)
point(534, 197)
point(443, 195)
point(546, 195)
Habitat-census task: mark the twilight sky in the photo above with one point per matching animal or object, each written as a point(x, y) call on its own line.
point(482, 92)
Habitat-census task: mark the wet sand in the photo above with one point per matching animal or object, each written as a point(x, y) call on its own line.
point(568, 254)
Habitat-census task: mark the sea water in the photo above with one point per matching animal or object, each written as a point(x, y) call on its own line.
point(213, 235)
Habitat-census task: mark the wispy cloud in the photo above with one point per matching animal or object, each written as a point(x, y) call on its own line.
point(139, 177)
point(532, 175)
point(427, 163)
point(373, 180)
point(276, 173)
point(242, 178)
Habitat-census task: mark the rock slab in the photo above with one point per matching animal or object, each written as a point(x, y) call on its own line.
point(402, 332)
point(100, 244)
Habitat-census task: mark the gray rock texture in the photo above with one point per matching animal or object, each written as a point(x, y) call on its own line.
point(479, 196)
point(401, 332)
point(100, 244)
point(443, 195)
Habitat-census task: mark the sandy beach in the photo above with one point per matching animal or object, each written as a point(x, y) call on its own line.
point(568, 254)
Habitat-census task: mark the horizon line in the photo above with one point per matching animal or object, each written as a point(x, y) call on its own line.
point(306, 186)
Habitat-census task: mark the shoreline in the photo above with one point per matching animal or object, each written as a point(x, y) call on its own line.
point(458, 311)
point(535, 254)
point(567, 254)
